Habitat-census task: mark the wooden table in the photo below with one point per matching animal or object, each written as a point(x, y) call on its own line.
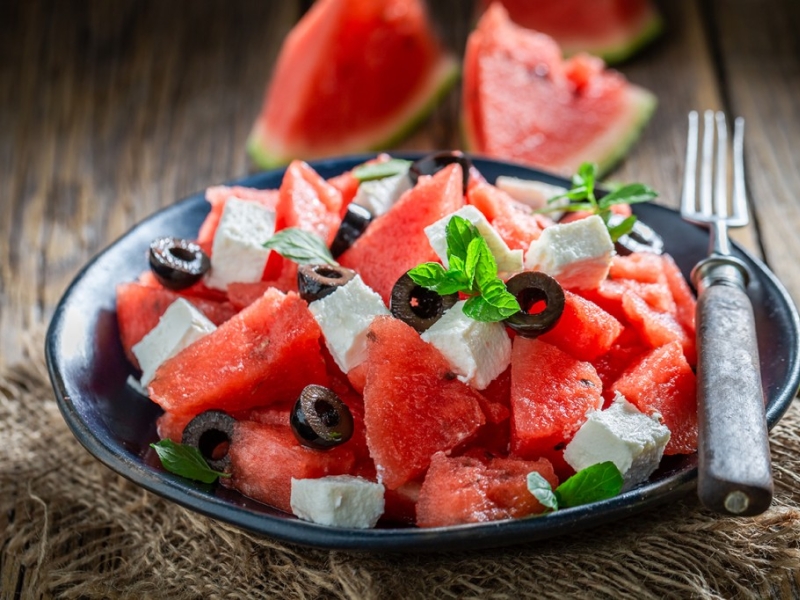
point(111, 110)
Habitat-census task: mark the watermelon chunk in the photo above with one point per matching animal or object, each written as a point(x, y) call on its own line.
point(352, 75)
point(521, 101)
point(217, 196)
point(396, 241)
point(266, 354)
point(664, 382)
point(551, 392)
point(514, 221)
point(414, 405)
point(611, 29)
point(466, 490)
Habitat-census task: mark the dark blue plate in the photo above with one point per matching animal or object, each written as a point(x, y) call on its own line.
point(88, 370)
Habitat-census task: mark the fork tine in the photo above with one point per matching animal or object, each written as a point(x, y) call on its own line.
point(720, 180)
point(688, 204)
point(707, 164)
point(739, 192)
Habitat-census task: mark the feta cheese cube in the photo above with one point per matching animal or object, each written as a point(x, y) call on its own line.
point(577, 254)
point(507, 260)
point(622, 434)
point(379, 195)
point(179, 326)
point(533, 193)
point(477, 351)
point(237, 253)
point(338, 501)
point(344, 317)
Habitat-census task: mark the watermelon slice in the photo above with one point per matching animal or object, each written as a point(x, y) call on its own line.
point(353, 75)
point(414, 405)
point(614, 30)
point(521, 101)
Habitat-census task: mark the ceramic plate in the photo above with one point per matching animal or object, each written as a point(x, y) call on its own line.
point(89, 372)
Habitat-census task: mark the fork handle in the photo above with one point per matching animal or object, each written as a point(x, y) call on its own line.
point(734, 467)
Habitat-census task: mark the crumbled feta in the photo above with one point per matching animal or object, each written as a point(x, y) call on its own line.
point(379, 195)
point(533, 193)
point(344, 317)
point(508, 260)
point(477, 351)
point(577, 254)
point(630, 439)
point(238, 253)
point(338, 501)
point(179, 326)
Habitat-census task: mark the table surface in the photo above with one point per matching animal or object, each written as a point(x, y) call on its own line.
point(109, 111)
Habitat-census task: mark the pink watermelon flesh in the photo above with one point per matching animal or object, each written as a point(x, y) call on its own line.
point(521, 101)
point(395, 242)
point(514, 222)
point(352, 75)
point(466, 490)
point(266, 354)
point(414, 405)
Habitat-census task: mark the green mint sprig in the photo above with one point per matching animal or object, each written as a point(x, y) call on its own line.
point(472, 270)
point(592, 484)
point(302, 247)
point(185, 461)
point(582, 197)
point(381, 170)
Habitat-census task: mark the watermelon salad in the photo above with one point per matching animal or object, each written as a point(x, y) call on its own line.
point(410, 344)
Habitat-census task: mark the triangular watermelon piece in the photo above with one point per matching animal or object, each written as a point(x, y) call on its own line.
point(521, 101)
point(353, 75)
point(414, 404)
point(395, 242)
point(515, 222)
point(266, 354)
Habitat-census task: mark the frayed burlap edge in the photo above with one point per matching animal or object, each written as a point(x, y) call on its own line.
point(71, 528)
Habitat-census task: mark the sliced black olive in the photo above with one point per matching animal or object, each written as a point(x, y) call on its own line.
point(320, 419)
point(178, 263)
point(641, 238)
point(433, 163)
point(354, 223)
point(211, 433)
point(416, 305)
point(529, 288)
point(317, 281)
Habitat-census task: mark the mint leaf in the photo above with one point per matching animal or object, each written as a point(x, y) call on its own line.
point(302, 247)
point(497, 295)
point(459, 234)
point(592, 484)
point(541, 490)
point(185, 461)
point(632, 193)
point(479, 309)
point(617, 231)
point(381, 170)
point(475, 258)
point(428, 275)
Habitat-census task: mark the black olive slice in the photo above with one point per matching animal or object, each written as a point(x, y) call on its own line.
point(320, 419)
point(416, 305)
point(177, 263)
point(433, 163)
point(317, 281)
point(529, 288)
point(641, 238)
point(354, 223)
point(211, 433)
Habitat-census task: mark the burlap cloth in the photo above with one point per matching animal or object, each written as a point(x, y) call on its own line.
point(72, 528)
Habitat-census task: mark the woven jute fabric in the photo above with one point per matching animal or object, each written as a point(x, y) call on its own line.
point(71, 528)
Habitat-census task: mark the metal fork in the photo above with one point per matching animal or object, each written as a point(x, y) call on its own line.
point(734, 471)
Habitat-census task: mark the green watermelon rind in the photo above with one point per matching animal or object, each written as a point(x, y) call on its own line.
point(444, 77)
point(622, 51)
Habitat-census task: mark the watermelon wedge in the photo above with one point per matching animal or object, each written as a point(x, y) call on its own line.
point(614, 30)
point(521, 101)
point(353, 75)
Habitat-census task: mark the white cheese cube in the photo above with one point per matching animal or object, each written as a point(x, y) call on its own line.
point(622, 434)
point(344, 317)
point(238, 253)
point(533, 193)
point(477, 351)
point(179, 326)
point(338, 501)
point(508, 260)
point(379, 195)
point(577, 254)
